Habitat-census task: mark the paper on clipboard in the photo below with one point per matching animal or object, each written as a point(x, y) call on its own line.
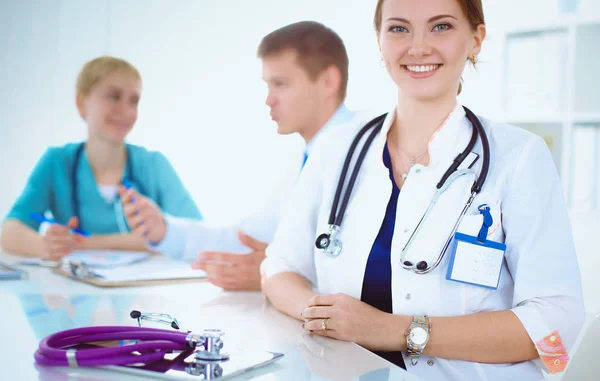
point(106, 258)
point(155, 269)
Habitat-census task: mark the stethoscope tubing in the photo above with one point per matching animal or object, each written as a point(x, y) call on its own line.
point(335, 217)
point(485, 145)
point(378, 122)
point(356, 170)
point(151, 343)
point(449, 239)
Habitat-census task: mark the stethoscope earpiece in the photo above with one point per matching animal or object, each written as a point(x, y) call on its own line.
point(135, 314)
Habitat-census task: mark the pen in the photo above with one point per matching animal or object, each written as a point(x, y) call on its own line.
point(41, 218)
point(127, 185)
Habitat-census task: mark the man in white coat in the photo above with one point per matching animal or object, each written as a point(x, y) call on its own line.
point(305, 66)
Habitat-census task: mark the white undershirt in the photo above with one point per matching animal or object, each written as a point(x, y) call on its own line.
point(108, 192)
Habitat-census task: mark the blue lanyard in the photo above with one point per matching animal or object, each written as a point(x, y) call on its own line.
point(487, 222)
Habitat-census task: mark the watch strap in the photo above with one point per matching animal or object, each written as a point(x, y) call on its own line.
point(414, 351)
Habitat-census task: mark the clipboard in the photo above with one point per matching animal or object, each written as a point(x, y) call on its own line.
point(10, 273)
point(157, 270)
point(180, 367)
point(93, 258)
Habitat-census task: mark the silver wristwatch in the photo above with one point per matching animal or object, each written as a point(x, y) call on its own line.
point(417, 337)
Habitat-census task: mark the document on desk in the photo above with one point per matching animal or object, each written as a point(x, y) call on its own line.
point(106, 258)
point(154, 269)
point(92, 259)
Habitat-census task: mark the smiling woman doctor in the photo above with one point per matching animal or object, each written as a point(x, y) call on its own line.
point(499, 300)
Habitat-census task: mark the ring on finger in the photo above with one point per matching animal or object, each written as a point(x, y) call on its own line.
point(324, 324)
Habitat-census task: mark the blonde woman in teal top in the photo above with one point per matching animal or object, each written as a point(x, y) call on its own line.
point(78, 183)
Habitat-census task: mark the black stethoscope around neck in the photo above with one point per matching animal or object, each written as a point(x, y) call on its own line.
point(330, 242)
point(128, 178)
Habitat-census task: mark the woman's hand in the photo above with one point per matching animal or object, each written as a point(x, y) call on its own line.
point(349, 319)
point(143, 216)
point(59, 241)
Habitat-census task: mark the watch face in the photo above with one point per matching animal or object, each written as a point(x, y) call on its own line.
point(418, 335)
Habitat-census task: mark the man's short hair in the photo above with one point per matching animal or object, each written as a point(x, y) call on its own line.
point(316, 45)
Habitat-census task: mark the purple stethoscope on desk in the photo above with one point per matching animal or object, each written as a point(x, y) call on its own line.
point(146, 345)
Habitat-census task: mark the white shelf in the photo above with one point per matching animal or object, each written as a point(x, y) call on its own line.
point(518, 119)
point(555, 95)
point(577, 118)
point(562, 24)
point(586, 77)
point(536, 65)
point(587, 118)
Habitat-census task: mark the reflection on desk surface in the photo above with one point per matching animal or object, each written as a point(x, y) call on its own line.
point(184, 367)
point(248, 321)
point(50, 313)
point(289, 368)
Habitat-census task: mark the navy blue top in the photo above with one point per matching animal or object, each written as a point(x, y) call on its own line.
point(377, 284)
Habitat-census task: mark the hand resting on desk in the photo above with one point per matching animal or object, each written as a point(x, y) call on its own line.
point(59, 242)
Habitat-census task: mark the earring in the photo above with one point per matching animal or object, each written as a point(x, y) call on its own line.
point(473, 60)
point(382, 63)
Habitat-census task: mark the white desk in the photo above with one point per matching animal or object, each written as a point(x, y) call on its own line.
point(45, 303)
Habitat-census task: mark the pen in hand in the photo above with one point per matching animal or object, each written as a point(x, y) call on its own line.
point(127, 185)
point(41, 218)
point(132, 199)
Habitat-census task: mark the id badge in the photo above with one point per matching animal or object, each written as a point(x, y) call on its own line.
point(476, 260)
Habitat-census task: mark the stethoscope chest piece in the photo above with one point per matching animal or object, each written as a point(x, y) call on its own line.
point(210, 339)
point(207, 362)
point(329, 243)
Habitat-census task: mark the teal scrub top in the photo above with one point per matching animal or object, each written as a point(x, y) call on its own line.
point(50, 187)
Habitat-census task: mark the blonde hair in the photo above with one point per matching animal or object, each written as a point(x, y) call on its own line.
point(97, 69)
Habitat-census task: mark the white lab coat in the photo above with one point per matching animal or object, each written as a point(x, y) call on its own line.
point(185, 238)
point(540, 280)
